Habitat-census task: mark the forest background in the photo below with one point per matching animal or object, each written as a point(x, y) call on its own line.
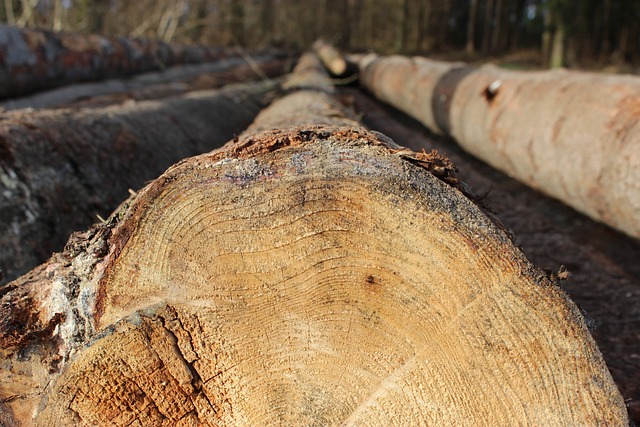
point(603, 34)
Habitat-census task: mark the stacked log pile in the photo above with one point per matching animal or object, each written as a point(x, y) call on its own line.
point(62, 168)
point(574, 136)
point(309, 272)
point(158, 84)
point(33, 60)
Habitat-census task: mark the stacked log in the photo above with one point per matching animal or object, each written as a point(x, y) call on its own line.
point(311, 272)
point(61, 168)
point(33, 60)
point(572, 135)
point(157, 84)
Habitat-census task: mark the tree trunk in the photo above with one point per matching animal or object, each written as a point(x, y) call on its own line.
point(488, 26)
point(312, 272)
point(574, 136)
point(496, 34)
point(605, 49)
point(547, 34)
point(36, 60)
point(96, 10)
point(557, 48)
point(471, 27)
point(9, 15)
point(404, 28)
point(58, 169)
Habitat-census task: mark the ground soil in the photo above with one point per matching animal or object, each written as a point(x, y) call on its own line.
point(604, 277)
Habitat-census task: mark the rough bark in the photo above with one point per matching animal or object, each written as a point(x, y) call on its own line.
point(36, 60)
point(574, 136)
point(158, 84)
point(58, 169)
point(312, 272)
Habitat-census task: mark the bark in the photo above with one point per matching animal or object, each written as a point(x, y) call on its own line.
point(574, 136)
point(332, 59)
point(605, 49)
point(424, 18)
point(312, 272)
point(404, 28)
point(37, 60)
point(156, 84)
point(59, 169)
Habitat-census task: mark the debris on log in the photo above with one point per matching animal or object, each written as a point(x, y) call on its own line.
point(572, 135)
point(34, 60)
point(309, 273)
point(61, 168)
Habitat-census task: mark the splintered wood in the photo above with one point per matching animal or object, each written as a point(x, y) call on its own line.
point(305, 274)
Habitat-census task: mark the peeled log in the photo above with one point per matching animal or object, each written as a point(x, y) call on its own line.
point(306, 275)
point(574, 136)
point(34, 60)
point(58, 169)
point(409, 84)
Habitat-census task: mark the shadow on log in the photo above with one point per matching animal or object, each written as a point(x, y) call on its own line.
point(58, 169)
point(310, 273)
point(574, 136)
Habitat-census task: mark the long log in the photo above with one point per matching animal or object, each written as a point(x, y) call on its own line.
point(332, 59)
point(34, 60)
point(572, 135)
point(309, 273)
point(61, 168)
point(156, 84)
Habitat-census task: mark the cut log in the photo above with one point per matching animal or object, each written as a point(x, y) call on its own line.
point(331, 58)
point(153, 85)
point(59, 169)
point(604, 277)
point(313, 274)
point(35, 60)
point(574, 136)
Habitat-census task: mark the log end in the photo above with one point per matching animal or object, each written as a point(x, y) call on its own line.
point(314, 275)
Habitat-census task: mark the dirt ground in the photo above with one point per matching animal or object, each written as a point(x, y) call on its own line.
point(604, 265)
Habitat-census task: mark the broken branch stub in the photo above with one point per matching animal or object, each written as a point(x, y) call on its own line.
point(572, 135)
point(307, 274)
